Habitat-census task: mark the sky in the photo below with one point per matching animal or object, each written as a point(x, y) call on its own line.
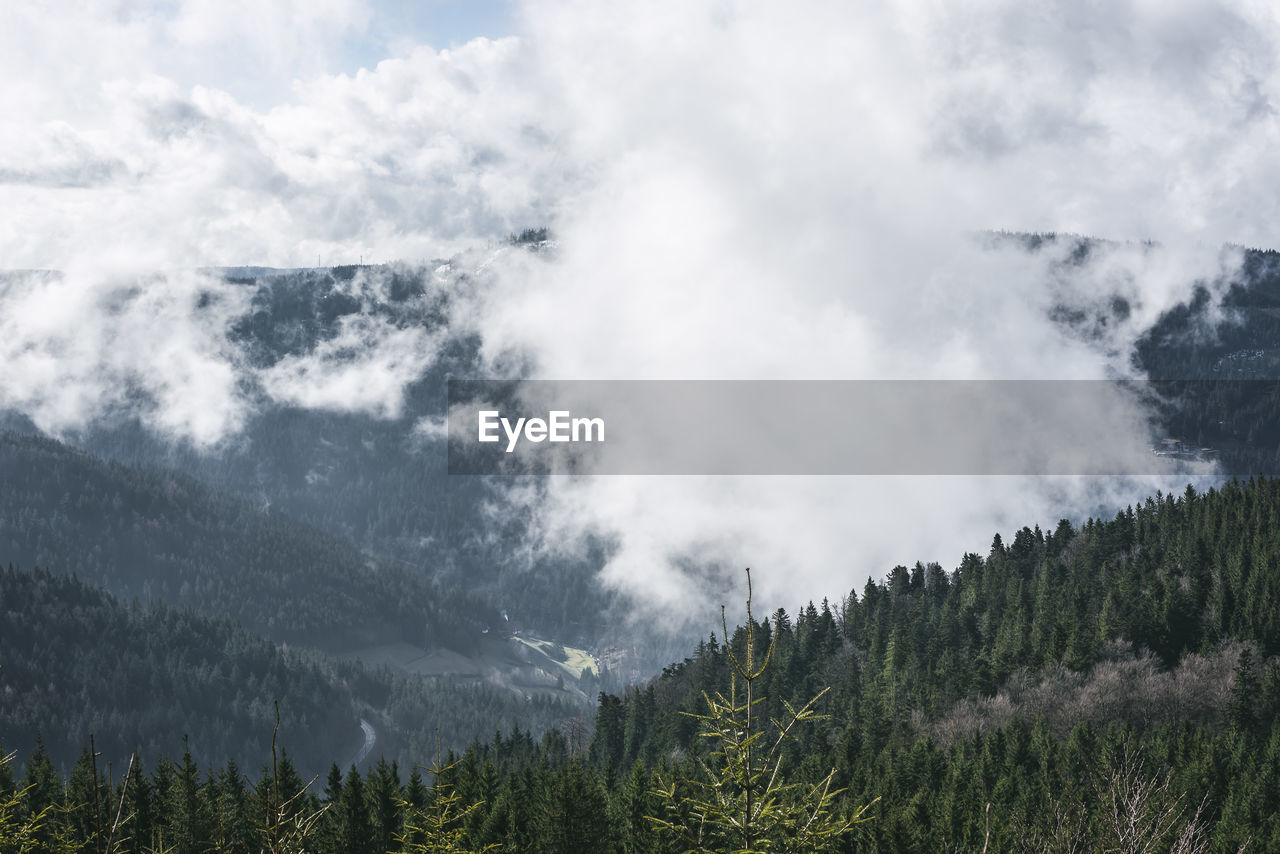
point(738, 190)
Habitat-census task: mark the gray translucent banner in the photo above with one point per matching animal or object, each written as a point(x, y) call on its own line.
point(1036, 427)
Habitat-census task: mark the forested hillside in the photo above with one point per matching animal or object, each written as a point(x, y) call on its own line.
point(1048, 678)
point(154, 534)
point(1224, 368)
point(1212, 359)
point(77, 664)
point(1063, 690)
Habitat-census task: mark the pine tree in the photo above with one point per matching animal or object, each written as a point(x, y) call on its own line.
point(26, 828)
point(328, 831)
point(1244, 693)
point(184, 808)
point(636, 802)
point(232, 812)
point(743, 804)
point(355, 834)
point(383, 794)
point(440, 826)
point(579, 812)
point(85, 802)
point(139, 829)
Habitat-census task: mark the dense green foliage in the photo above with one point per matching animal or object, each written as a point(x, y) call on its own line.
point(743, 801)
point(1021, 680)
point(911, 660)
point(76, 664)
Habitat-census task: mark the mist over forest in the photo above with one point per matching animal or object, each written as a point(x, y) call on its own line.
point(249, 602)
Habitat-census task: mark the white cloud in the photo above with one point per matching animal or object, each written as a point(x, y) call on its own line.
point(85, 343)
point(364, 368)
point(739, 191)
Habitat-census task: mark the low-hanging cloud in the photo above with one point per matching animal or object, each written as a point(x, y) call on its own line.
point(83, 344)
point(363, 368)
point(738, 191)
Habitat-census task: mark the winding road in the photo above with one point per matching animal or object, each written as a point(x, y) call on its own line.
point(370, 738)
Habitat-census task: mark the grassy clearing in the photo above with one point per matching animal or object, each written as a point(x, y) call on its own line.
point(576, 660)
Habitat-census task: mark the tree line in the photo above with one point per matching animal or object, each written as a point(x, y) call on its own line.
point(1006, 705)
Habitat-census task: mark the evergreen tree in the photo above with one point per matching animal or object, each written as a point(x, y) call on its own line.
point(743, 804)
point(383, 795)
point(355, 833)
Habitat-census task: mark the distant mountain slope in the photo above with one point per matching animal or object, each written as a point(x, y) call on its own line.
point(1230, 357)
point(1215, 359)
point(377, 479)
point(159, 535)
point(374, 475)
point(76, 662)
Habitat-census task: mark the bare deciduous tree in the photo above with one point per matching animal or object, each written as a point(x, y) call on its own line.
point(1137, 812)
